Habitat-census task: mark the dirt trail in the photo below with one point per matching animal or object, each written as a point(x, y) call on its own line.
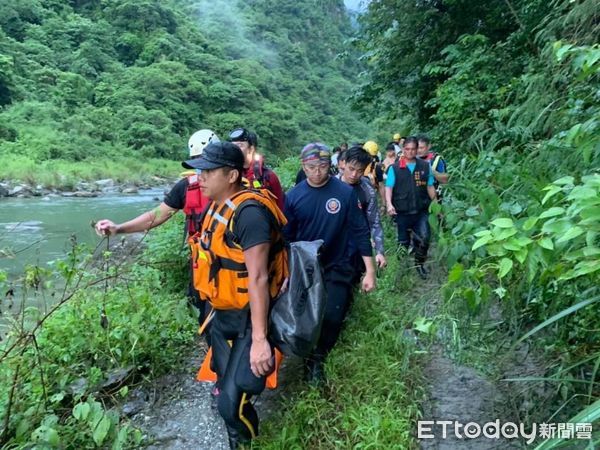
point(182, 415)
point(459, 393)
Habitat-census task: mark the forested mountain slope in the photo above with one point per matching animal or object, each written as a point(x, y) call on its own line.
point(85, 78)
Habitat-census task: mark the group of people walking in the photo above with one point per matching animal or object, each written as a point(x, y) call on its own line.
point(238, 221)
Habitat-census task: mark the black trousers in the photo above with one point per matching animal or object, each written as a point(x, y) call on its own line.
point(421, 233)
point(231, 362)
point(338, 282)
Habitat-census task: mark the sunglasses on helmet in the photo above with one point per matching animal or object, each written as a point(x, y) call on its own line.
point(240, 135)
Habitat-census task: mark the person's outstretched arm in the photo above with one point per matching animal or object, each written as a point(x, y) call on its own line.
point(143, 222)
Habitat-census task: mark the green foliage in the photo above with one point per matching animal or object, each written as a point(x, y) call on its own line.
point(58, 400)
point(136, 78)
point(66, 174)
point(287, 169)
point(509, 93)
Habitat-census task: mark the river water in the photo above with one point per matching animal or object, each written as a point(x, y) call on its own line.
point(39, 229)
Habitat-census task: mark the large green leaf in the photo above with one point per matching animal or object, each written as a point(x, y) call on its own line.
point(481, 242)
point(554, 211)
point(503, 222)
point(101, 430)
point(504, 267)
point(572, 233)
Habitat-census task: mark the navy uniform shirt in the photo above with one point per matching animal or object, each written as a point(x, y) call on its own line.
point(331, 213)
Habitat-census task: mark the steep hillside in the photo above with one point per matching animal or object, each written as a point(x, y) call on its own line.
point(80, 79)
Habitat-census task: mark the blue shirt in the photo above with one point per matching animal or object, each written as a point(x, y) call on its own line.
point(330, 212)
point(391, 176)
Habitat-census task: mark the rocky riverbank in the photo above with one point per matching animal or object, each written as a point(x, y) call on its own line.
point(82, 188)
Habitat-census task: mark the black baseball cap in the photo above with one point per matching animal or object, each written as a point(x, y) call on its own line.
point(215, 155)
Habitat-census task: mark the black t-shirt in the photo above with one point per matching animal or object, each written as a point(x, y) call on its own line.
point(252, 225)
point(175, 198)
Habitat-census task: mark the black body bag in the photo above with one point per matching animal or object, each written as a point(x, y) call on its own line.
point(297, 314)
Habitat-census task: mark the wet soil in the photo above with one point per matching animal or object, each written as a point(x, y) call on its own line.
point(457, 392)
point(181, 414)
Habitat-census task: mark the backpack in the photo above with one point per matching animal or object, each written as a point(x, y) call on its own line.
point(297, 314)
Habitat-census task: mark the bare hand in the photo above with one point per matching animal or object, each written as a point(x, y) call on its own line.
point(368, 282)
point(380, 260)
point(106, 227)
point(261, 358)
point(391, 210)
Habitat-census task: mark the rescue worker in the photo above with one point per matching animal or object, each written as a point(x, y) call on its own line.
point(255, 170)
point(409, 191)
point(397, 141)
point(437, 162)
point(185, 195)
point(240, 264)
point(357, 159)
point(390, 158)
point(342, 162)
point(323, 207)
point(374, 171)
point(334, 159)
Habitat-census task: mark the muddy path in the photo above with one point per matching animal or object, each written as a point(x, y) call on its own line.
point(179, 412)
point(460, 393)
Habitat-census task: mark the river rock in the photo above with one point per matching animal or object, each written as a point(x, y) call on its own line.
point(85, 194)
point(67, 194)
point(105, 183)
point(20, 191)
point(130, 190)
point(3, 191)
point(115, 379)
point(133, 407)
point(84, 186)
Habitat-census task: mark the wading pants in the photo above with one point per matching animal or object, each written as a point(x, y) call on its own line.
point(231, 337)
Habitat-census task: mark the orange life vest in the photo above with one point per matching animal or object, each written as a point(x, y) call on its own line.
point(219, 271)
point(206, 374)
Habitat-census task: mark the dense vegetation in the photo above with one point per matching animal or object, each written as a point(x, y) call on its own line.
point(509, 91)
point(87, 80)
point(105, 323)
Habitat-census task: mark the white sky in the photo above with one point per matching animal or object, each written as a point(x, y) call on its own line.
point(355, 5)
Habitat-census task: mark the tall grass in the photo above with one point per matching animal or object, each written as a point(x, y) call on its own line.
point(65, 174)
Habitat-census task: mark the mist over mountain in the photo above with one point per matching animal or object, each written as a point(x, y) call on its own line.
point(137, 76)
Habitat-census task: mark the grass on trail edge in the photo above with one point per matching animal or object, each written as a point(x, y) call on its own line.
point(374, 380)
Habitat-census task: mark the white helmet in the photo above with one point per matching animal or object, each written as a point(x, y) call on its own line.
point(201, 139)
